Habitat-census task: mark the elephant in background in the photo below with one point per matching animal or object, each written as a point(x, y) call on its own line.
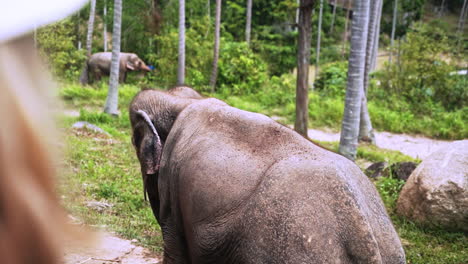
point(99, 64)
point(231, 186)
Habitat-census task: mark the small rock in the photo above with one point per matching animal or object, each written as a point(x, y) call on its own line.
point(375, 170)
point(99, 206)
point(402, 170)
point(398, 170)
point(89, 126)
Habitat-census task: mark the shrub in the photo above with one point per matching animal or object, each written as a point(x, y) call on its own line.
point(389, 189)
point(55, 43)
point(332, 80)
point(199, 56)
point(422, 74)
point(240, 70)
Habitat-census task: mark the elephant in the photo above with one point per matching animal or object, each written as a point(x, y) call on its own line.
point(231, 186)
point(99, 64)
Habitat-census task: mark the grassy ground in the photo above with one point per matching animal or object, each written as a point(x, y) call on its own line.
point(104, 168)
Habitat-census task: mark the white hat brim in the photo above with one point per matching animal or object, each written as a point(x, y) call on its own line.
point(18, 17)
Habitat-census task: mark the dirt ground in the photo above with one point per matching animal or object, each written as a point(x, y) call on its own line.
point(413, 146)
point(107, 248)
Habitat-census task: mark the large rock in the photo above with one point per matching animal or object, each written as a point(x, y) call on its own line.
point(437, 191)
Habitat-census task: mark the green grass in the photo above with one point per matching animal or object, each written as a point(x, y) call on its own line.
point(422, 244)
point(105, 168)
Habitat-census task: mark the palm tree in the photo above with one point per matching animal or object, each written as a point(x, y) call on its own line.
point(354, 89)
point(392, 38)
point(333, 17)
point(181, 62)
point(461, 22)
point(105, 26)
point(441, 9)
point(366, 132)
point(319, 34)
point(303, 58)
point(377, 36)
point(89, 36)
point(345, 32)
point(248, 23)
point(111, 106)
point(214, 73)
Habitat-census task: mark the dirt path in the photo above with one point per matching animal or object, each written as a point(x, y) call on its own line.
point(413, 146)
point(109, 249)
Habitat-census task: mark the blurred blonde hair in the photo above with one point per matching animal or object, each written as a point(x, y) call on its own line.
point(32, 222)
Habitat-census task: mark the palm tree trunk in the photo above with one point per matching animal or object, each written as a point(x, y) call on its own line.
point(392, 38)
point(366, 132)
point(441, 10)
point(248, 23)
point(345, 33)
point(461, 21)
point(105, 26)
point(214, 73)
point(111, 106)
point(303, 57)
point(89, 36)
point(319, 35)
point(333, 17)
point(181, 61)
point(461, 25)
point(377, 36)
point(356, 70)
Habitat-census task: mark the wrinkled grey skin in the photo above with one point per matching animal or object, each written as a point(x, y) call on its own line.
point(236, 187)
point(99, 64)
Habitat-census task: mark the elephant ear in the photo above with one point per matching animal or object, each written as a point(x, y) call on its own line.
point(151, 147)
point(130, 66)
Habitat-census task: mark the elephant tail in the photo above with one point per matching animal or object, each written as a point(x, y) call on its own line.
point(84, 77)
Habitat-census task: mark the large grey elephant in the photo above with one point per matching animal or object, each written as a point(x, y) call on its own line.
point(98, 65)
point(230, 186)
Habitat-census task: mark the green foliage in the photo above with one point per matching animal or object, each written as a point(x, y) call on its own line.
point(95, 118)
point(374, 154)
point(80, 96)
point(409, 11)
point(332, 80)
point(199, 56)
point(56, 43)
point(422, 74)
point(278, 50)
point(389, 189)
point(240, 70)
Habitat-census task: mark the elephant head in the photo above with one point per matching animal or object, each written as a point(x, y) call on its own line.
point(152, 114)
point(134, 63)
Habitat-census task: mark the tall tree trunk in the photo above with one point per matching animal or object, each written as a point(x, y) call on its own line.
point(248, 24)
point(461, 21)
point(89, 36)
point(181, 62)
point(345, 33)
point(214, 73)
point(356, 70)
point(366, 132)
point(208, 8)
point(298, 2)
point(111, 106)
point(105, 26)
point(441, 10)
point(377, 36)
point(303, 57)
point(319, 35)
point(392, 38)
point(333, 17)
